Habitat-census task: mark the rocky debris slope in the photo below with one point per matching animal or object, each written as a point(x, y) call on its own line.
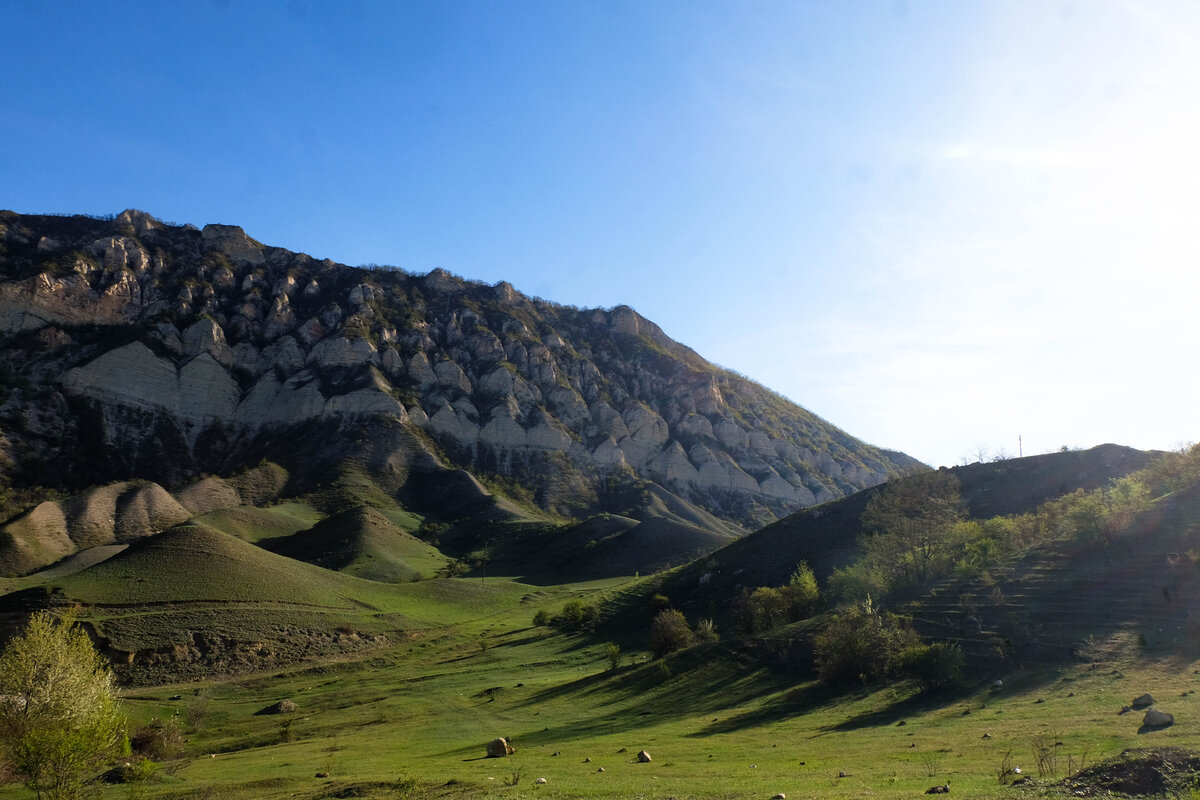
point(133, 348)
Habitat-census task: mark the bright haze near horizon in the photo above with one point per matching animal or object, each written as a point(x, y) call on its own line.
point(939, 225)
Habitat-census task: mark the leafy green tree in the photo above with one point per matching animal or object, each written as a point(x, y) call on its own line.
point(60, 722)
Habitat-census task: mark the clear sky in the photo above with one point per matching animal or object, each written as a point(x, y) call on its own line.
point(939, 225)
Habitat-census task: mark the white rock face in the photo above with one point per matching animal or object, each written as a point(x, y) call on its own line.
point(337, 351)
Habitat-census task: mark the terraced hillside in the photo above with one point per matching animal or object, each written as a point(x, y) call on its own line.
point(1139, 591)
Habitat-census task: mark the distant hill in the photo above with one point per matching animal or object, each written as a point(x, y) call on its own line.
point(135, 350)
point(826, 536)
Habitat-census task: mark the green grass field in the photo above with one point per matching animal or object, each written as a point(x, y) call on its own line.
point(729, 720)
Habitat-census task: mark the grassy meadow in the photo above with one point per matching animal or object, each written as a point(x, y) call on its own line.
point(725, 720)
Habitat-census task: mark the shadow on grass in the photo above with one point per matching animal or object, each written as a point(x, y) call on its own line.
point(800, 700)
point(892, 713)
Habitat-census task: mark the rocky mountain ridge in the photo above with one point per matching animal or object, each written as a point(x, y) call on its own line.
point(138, 349)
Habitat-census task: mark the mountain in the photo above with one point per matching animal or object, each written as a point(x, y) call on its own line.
point(135, 350)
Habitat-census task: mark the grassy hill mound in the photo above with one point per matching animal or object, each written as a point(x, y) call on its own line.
point(261, 525)
point(193, 563)
point(363, 542)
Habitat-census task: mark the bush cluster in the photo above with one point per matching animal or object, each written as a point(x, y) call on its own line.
point(768, 607)
point(574, 614)
point(670, 631)
point(861, 644)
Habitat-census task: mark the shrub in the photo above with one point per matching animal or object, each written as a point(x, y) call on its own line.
point(767, 608)
point(158, 739)
point(801, 592)
point(706, 632)
point(862, 644)
point(541, 618)
point(669, 631)
point(574, 614)
point(612, 654)
point(936, 666)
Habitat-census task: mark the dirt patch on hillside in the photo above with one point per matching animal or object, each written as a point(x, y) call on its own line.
point(1138, 772)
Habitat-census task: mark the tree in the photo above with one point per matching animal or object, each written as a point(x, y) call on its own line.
point(59, 717)
point(907, 525)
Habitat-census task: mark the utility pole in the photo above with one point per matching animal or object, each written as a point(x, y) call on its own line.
point(1020, 447)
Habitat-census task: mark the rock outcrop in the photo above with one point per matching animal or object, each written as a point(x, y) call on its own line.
point(157, 351)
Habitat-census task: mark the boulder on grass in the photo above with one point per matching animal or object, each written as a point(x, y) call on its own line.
point(282, 707)
point(1142, 701)
point(643, 757)
point(499, 748)
point(1157, 719)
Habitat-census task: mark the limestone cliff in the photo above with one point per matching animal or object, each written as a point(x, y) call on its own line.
point(137, 349)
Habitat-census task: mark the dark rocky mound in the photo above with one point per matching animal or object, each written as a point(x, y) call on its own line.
point(1138, 772)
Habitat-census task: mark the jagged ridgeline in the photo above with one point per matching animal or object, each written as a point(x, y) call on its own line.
point(136, 349)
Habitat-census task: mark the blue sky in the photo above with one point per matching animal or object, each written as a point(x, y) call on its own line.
point(939, 225)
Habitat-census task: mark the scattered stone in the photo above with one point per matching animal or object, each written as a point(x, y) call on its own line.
point(1070, 694)
point(540, 781)
point(175, 697)
point(966, 712)
point(779, 796)
point(1142, 701)
point(282, 707)
point(987, 736)
point(600, 770)
point(843, 774)
point(943, 789)
point(997, 684)
point(643, 757)
point(321, 775)
point(901, 723)
point(556, 753)
point(1157, 719)
point(622, 750)
point(587, 760)
point(499, 748)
